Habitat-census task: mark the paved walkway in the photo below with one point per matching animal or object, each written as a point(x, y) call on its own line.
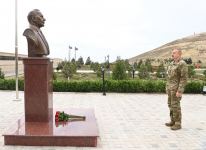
point(126, 121)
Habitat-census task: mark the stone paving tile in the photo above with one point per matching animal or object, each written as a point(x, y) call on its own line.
point(125, 121)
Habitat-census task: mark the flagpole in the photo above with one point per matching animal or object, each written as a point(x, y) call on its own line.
point(75, 49)
point(69, 59)
point(16, 51)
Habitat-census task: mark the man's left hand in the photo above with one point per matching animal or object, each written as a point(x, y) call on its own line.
point(178, 94)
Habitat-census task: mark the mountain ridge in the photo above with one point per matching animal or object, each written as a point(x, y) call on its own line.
point(193, 46)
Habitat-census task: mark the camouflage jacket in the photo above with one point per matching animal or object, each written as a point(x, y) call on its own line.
point(177, 76)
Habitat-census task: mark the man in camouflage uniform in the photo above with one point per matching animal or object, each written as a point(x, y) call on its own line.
point(176, 80)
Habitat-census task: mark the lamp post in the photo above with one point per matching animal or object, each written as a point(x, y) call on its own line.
point(16, 51)
point(103, 81)
point(133, 71)
point(108, 66)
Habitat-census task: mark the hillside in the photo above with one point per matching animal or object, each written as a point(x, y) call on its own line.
point(192, 46)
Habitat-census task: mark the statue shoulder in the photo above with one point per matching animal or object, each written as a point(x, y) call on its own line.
point(30, 34)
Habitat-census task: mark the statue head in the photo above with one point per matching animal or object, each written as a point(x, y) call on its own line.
point(36, 18)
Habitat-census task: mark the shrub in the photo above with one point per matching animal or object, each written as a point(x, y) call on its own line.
point(11, 84)
point(191, 71)
point(77, 86)
point(204, 72)
point(194, 87)
point(1, 74)
point(119, 70)
point(54, 76)
point(135, 86)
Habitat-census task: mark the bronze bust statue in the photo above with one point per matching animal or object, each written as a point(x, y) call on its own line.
point(37, 44)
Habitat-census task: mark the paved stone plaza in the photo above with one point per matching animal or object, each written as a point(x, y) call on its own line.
point(125, 121)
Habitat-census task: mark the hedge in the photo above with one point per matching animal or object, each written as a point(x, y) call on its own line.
point(77, 86)
point(123, 86)
point(135, 86)
point(194, 87)
point(11, 84)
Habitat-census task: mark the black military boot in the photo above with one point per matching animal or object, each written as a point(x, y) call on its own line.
point(176, 126)
point(170, 124)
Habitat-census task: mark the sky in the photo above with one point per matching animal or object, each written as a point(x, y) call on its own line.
point(99, 28)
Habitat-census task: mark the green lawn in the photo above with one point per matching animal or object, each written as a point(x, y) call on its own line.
point(79, 76)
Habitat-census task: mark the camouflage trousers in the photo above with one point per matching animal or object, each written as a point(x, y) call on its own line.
point(174, 106)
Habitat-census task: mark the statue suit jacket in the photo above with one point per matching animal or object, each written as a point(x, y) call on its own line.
point(37, 44)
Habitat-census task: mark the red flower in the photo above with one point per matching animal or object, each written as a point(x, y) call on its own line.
point(61, 116)
point(57, 113)
point(57, 116)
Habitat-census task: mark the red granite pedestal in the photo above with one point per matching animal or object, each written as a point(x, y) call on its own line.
point(76, 133)
point(37, 127)
point(38, 89)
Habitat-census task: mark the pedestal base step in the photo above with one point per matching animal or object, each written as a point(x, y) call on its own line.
point(75, 133)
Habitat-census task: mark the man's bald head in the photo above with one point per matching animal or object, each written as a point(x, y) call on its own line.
point(176, 54)
point(178, 50)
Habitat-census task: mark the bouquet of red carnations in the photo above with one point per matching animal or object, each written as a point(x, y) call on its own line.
point(62, 116)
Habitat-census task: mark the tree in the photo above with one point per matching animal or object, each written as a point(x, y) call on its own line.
point(204, 72)
point(143, 72)
point(61, 65)
point(80, 61)
point(106, 63)
point(148, 65)
point(118, 58)
point(135, 65)
point(94, 66)
point(69, 69)
point(128, 67)
point(191, 71)
point(73, 60)
point(88, 61)
point(119, 70)
point(1, 74)
point(139, 64)
point(57, 68)
point(99, 71)
point(161, 72)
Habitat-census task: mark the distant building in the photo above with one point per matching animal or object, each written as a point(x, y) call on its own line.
point(7, 63)
point(10, 56)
